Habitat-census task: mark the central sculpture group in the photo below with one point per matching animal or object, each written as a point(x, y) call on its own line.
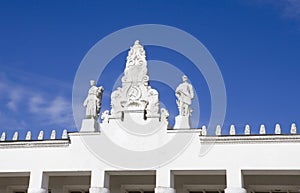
point(136, 95)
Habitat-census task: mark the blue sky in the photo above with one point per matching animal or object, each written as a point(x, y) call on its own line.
point(255, 43)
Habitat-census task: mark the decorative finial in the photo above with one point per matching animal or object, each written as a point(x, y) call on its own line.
point(53, 134)
point(262, 129)
point(232, 130)
point(3, 136)
point(204, 131)
point(16, 136)
point(28, 135)
point(64, 134)
point(293, 128)
point(247, 130)
point(135, 93)
point(41, 135)
point(136, 55)
point(137, 42)
point(218, 130)
point(277, 129)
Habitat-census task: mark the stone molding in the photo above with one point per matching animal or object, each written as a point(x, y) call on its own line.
point(250, 139)
point(184, 131)
point(34, 144)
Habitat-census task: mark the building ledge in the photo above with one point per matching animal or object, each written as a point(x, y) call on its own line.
point(34, 143)
point(184, 131)
point(250, 139)
point(83, 133)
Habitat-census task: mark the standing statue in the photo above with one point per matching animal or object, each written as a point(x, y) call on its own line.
point(184, 94)
point(93, 101)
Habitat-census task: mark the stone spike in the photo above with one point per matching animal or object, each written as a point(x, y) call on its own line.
point(41, 135)
point(16, 136)
point(3, 136)
point(262, 129)
point(277, 129)
point(28, 135)
point(64, 134)
point(232, 130)
point(204, 131)
point(247, 130)
point(293, 129)
point(218, 130)
point(53, 134)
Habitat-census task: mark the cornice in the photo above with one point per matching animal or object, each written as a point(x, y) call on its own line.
point(34, 144)
point(250, 139)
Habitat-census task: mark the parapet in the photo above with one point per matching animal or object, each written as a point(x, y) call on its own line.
point(220, 135)
point(40, 141)
point(247, 130)
point(248, 137)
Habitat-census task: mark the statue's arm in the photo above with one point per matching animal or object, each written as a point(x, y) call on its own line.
point(85, 102)
point(192, 91)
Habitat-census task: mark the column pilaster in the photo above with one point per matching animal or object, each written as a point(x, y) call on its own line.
point(164, 181)
point(99, 182)
point(234, 179)
point(164, 190)
point(99, 190)
point(38, 182)
point(37, 190)
point(235, 190)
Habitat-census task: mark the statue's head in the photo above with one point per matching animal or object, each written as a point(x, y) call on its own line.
point(184, 78)
point(93, 83)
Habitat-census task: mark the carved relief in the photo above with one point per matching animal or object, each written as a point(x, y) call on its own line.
point(135, 93)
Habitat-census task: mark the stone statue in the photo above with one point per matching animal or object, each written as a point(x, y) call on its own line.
point(152, 103)
point(93, 101)
point(164, 114)
point(105, 116)
point(184, 94)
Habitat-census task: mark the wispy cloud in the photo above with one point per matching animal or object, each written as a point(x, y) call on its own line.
point(44, 103)
point(15, 96)
point(287, 8)
point(54, 111)
point(291, 8)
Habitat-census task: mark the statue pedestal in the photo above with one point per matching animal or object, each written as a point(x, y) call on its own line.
point(137, 116)
point(89, 125)
point(182, 122)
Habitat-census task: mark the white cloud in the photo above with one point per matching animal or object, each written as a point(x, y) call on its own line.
point(34, 103)
point(58, 105)
point(2, 86)
point(291, 8)
point(52, 111)
point(287, 8)
point(15, 96)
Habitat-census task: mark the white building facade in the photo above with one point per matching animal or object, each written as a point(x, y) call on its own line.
point(134, 150)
